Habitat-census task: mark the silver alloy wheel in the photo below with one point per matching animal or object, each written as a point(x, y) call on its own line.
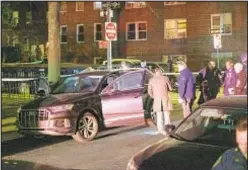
point(86, 126)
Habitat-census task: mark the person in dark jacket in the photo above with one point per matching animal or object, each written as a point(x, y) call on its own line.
point(230, 78)
point(186, 88)
point(210, 80)
point(235, 158)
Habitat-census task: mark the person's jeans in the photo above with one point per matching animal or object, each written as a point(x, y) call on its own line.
point(163, 118)
point(187, 107)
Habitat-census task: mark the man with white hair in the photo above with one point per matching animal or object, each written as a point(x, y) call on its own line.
point(240, 88)
point(230, 79)
point(186, 88)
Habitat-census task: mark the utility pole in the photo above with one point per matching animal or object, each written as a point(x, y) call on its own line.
point(109, 49)
point(53, 42)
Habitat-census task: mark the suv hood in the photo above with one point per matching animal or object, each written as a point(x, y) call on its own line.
point(56, 99)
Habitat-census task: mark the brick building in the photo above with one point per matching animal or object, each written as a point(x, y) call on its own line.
point(157, 30)
point(152, 31)
point(25, 29)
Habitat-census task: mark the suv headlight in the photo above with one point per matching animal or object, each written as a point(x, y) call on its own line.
point(60, 108)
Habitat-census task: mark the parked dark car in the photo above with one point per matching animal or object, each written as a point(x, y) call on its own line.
point(198, 141)
point(83, 104)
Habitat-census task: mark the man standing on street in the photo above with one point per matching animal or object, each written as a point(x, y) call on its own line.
point(236, 158)
point(240, 88)
point(158, 88)
point(186, 88)
point(210, 80)
point(230, 79)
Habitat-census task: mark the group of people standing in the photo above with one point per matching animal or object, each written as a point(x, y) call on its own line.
point(234, 79)
point(210, 80)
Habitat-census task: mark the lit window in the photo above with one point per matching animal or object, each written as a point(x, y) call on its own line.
point(136, 31)
point(221, 23)
point(175, 28)
point(97, 5)
point(15, 40)
point(130, 5)
point(28, 17)
point(174, 3)
point(26, 44)
point(80, 33)
point(63, 7)
point(15, 18)
point(98, 32)
point(79, 6)
point(63, 34)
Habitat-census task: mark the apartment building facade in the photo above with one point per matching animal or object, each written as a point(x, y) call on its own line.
point(26, 29)
point(151, 31)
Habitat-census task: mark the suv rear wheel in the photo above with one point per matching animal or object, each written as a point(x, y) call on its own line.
point(87, 128)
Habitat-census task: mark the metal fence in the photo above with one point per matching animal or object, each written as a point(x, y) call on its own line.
point(13, 72)
point(16, 92)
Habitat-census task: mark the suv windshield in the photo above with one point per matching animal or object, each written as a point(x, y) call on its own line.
point(76, 84)
point(211, 126)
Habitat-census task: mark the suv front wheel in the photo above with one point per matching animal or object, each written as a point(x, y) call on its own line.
point(87, 128)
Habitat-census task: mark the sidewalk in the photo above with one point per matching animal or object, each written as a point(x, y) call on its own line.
point(10, 136)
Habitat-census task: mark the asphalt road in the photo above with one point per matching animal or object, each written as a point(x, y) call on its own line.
point(111, 150)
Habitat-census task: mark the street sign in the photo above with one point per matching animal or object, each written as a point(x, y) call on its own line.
point(103, 44)
point(217, 41)
point(110, 31)
point(112, 5)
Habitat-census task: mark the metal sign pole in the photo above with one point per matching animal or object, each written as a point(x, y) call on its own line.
point(218, 60)
point(109, 50)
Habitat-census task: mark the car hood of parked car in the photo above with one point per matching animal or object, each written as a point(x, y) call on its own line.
point(170, 154)
point(57, 99)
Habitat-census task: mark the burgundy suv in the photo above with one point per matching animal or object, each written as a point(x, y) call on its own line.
point(83, 104)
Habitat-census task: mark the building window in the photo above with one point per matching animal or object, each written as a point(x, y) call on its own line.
point(15, 18)
point(15, 41)
point(131, 5)
point(79, 6)
point(223, 56)
point(174, 3)
point(136, 31)
point(28, 17)
point(98, 32)
point(175, 28)
point(221, 23)
point(26, 44)
point(63, 7)
point(80, 33)
point(63, 34)
point(97, 5)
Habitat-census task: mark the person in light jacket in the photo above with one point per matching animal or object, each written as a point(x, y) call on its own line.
point(186, 88)
point(230, 79)
point(240, 88)
point(158, 88)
